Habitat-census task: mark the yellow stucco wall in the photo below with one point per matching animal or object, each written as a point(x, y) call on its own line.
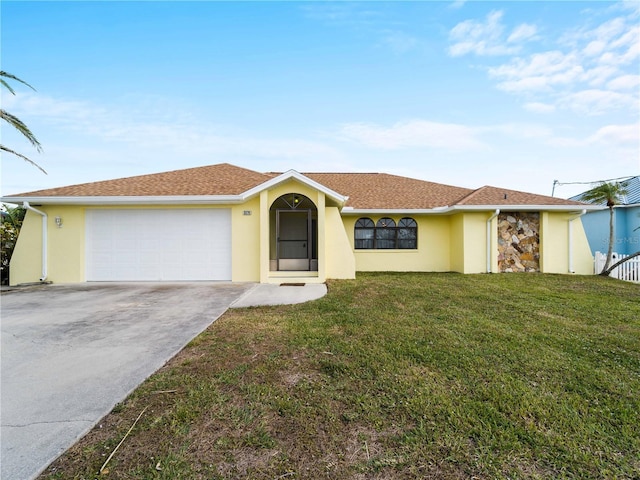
point(268, 232)
point(432, 254)
point(475, 242)
point(66, 244)
point(554, 244)
point(340, 260)
point(445, 242)
point(245, 244)
point(65, 253)
point(456, 252)
point(26, 261)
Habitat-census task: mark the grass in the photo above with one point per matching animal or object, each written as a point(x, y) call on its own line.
point(394, 376)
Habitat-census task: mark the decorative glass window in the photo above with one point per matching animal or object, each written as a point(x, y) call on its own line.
point(385, 233)
point(407, 233)
point(364, 233)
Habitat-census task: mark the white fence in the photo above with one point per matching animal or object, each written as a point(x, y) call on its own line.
point(629, 271)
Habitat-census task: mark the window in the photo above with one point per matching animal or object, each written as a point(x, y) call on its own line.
point(407, 233)
point(364, 233)
point(385, 234)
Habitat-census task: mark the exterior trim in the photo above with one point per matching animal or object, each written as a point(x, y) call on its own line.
point(292, 174)
point(470, 208)
point(128, 200)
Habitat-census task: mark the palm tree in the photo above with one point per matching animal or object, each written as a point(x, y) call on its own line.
point(609, 194)
point(16, 123)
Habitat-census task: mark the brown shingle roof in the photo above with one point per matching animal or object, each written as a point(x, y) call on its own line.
point(364, 190)
point(220, 179)
point(488, 195)
point(384, 191)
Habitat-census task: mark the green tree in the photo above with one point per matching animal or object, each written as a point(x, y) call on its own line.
point(12, 218)
point(16, 123)
point(611, 195)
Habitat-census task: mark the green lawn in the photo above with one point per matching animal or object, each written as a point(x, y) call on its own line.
point(395, 376)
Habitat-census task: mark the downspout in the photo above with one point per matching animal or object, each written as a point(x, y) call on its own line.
point(495, 214)
point(571, 240)
point(44, 238)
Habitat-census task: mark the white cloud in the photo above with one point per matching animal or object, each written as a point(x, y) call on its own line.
point(619, 135)
point(539, 64)
point(539, 72)
point(456, 4)
point(595, 47)
point(522, 32)
point(592, 69)
point(518, 130)
point(480, 37)
point(412, 134)
point(597, 76)
point(173, 134)
point(624, 82)
point(538, 107)
point(597, 102)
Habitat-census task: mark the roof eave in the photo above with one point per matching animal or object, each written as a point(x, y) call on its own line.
point(129, 200)
point(527, 208)
point(468, 208)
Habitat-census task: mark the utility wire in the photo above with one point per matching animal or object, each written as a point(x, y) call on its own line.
point(556, 182)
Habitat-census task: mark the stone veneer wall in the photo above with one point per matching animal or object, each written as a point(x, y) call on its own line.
point(519, 242)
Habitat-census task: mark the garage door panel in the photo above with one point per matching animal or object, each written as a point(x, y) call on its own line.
point(158, 244)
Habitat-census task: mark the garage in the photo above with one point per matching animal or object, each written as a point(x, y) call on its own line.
point(158, 244)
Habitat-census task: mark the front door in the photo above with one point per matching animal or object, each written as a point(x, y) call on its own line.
point(294, 240)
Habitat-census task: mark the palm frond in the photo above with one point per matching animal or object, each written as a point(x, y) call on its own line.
point(7, 86)
point(19, 125)
point(16, 123)
point(26, 159)
point(606, 193)
point(13, 77)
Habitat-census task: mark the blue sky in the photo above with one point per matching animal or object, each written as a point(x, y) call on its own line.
point(510, 94)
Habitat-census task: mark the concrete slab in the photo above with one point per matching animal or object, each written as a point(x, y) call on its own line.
point(268, 294)
point(70, 353)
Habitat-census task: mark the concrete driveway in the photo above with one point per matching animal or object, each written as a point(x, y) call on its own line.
point(71, 352)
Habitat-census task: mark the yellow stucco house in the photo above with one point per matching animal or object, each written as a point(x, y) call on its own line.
point(223, 222)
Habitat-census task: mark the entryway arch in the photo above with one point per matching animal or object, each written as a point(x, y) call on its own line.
point(294, 233)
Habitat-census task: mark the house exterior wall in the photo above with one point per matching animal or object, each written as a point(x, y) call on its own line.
point(626, 229)
point(457, 253)
point(26, 261)
point(475, 242)
point(432, 254)
point(519, 242)
point(268, 229)
point(245, 241)
point(554, 244)
point(340, 260)
point(65, 255)
point(455, 242)
point(66, 245)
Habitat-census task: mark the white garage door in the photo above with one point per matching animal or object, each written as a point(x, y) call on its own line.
point(158, 244)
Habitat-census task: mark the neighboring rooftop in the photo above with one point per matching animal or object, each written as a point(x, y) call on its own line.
point(631, 198)
point(364, 190)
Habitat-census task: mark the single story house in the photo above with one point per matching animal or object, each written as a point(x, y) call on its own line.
point(626, 223)
point(223, 222)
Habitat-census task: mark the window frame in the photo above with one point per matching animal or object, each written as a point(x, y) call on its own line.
point(364, 234)
point(385, 234)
